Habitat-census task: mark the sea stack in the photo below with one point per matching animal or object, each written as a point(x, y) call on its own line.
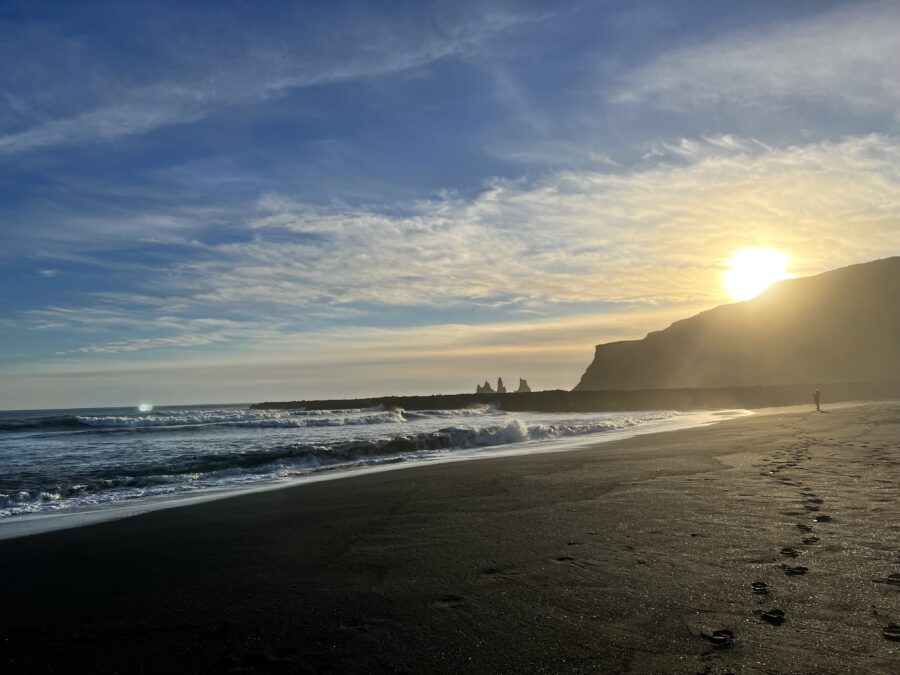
point(501, 389)
point(484, 388)
point(523, 387)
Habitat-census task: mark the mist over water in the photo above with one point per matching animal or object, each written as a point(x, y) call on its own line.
point(64, 461)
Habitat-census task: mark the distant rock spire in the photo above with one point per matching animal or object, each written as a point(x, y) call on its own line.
point(484, 388)
point(523, 387)
point(500, 388)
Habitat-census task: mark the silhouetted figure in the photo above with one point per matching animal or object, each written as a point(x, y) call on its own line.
point(817, 397)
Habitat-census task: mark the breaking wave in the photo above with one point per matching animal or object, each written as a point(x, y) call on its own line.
point(241, 418)
point(160, 420)
point(191, 471)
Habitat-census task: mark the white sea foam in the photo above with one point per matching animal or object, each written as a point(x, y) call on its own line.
point(247, 418)
point(216, 449)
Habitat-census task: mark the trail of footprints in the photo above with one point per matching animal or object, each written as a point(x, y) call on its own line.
point(812, 504)
point(788, 458)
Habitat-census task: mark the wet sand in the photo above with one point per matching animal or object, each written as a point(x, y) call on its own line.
point(626, 556)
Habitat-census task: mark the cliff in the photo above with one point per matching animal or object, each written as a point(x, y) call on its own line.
point(839, 326)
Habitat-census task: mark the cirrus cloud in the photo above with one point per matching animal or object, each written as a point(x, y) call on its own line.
point(845, 57)
point(656, 235)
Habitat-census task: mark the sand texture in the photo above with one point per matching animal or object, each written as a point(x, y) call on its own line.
point(638, 556)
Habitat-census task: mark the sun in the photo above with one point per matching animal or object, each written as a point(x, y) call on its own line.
point(752, 270)
point(145, 407)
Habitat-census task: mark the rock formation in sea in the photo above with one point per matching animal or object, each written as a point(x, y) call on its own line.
point(838, 326)
point(484, 388)
point(523, 387)
point(501, 389)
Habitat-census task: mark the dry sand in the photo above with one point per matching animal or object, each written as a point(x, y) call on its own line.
point(616, 558)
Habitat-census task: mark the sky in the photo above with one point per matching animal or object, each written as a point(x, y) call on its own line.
point(237, 201)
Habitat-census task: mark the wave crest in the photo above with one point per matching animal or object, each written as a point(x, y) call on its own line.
point(190, 471)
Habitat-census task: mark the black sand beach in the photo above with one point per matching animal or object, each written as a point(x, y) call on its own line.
point(626, 556)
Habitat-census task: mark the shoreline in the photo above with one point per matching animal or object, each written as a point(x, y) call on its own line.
point(583, 561)
point(39, 523)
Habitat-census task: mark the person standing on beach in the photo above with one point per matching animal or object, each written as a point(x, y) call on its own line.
point(816, 397)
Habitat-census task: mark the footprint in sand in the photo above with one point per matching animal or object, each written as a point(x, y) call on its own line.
point(256, 660)
point(790, 552)
point(500, 572)
point(891, 632)
point(823, 519)
point(892, 579)
point(795, 570)
point(809, 541)
point(774, 616)
point(720, 638)
point(450, 600)
point(804, 527)
point(565, 558)
point(760, 588)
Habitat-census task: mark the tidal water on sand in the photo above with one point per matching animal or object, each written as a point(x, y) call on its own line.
point(75, 461)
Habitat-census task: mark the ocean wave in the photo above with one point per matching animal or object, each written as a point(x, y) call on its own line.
point(477, 411)
point(191, 471)
point(181, 419)
point(56, 423)
point(160, 420)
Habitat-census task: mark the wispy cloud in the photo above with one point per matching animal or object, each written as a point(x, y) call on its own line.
point(654, 235)
point(651, 237)
point(245, 68)
point(148, 331)
point(845, 57)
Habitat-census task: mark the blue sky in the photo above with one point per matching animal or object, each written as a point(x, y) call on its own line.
point(238, 201)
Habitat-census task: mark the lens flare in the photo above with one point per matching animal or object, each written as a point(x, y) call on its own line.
point(145, 407)
point(753, 270)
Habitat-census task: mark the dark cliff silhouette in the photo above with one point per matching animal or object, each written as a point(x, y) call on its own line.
point(839, 326)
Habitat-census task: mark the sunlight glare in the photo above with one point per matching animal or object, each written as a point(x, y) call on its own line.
point(752, 270)
point(145, 407)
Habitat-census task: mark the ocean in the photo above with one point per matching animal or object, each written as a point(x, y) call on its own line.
point(104, 463)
